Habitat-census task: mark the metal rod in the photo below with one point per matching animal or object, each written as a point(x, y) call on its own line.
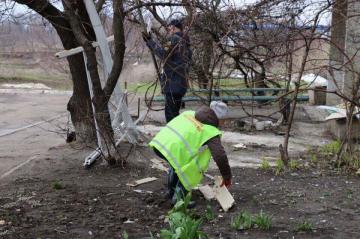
point(98, 136)
point(138, 111)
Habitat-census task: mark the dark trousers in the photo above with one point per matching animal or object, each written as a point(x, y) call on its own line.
point(172, 105)
point(175, 187)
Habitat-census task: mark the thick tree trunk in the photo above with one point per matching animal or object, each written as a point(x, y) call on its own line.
point(101, 96)
point(101, 104)
point(79, 104)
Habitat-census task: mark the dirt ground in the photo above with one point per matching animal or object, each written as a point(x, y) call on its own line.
point(46, 193)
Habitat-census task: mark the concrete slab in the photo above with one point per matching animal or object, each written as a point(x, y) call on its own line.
point(315, 114)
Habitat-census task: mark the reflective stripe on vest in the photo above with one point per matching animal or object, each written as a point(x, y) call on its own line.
point(186, 143)
point(175, 161)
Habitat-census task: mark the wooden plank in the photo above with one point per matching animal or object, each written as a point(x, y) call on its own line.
point(141, 181)
point(222, 195)
point(158, 165)
point(66, 53)
point(207, 191)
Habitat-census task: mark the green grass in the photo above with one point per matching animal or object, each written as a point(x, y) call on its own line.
point(265, 165)
point(293, 164)
point(263, 221)
point(209, 214)
point(15, 71)
point(56, 82)
point(141, 88)
point(231, 83)
point(279, 166)
point(305, 226)
point(57, 185)
point(331, 148)
point(125, 235)
point(314, 159)
point(244, 221)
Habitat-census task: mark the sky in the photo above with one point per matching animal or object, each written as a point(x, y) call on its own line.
point(306, 15)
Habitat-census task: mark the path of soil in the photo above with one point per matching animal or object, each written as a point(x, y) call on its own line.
point(96, 203)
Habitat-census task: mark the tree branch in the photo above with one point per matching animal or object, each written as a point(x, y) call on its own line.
point(99, 5)
point(49, 12)
point(119, 41)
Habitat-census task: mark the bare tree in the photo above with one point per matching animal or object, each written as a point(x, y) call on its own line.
point(74, 29)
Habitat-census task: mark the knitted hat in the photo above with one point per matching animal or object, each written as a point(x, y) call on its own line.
point(220, 109)
point(176, 23)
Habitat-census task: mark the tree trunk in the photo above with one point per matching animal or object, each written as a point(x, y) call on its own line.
point(79, 104)
point(99, 100)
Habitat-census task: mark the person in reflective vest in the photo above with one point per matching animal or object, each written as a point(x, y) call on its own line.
point(187, 142)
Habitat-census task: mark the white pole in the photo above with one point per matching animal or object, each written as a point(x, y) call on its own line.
point(98, 136)
point(108, 63)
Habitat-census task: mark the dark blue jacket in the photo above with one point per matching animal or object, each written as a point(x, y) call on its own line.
point(176, 62)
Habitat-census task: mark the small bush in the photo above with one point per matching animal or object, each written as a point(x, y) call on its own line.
point(305, 226)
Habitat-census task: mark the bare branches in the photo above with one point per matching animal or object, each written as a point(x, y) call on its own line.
point(152, 4)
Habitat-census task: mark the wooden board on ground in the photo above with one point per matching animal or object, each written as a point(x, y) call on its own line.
point(207, 191)
point(158, 165)
point(141, 181)
point(222, 195)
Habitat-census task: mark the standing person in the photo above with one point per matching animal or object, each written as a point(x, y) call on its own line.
point(187, 143)
point(176, 59)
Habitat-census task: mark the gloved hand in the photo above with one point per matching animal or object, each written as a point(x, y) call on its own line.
point(226, 183)
point(146, 36)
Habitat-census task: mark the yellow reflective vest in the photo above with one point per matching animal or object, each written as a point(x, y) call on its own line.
point(181, 143)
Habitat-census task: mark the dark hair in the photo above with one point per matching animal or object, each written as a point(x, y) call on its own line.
point(176, 23)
